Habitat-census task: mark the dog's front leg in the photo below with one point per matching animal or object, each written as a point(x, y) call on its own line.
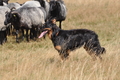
point(64, 56)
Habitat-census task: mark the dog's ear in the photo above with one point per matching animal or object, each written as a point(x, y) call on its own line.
point(47, 29)
point(53, 21)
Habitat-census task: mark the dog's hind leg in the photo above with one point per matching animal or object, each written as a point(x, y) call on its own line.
point(88, 49)
point(100, 58)
point(94, 49)
point(92, 55)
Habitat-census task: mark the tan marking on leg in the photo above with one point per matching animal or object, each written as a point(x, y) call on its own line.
point(92, 54)
point(93, 57)
point(68, 51)
point(100, 58)
point(62, 56)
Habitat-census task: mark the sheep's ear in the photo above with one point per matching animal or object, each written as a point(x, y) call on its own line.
point(13, 8)
point(6, 12)
point(54, 21)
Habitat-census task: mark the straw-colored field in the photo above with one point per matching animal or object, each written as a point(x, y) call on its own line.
point(40, 61)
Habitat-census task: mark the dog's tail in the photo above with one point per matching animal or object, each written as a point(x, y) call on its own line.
point(100, 50)
point(93, 46)
point(95, 49)
point(103, 50)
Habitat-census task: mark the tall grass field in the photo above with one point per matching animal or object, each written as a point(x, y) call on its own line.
point(38, 60)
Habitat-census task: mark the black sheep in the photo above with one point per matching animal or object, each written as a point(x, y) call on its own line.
point(58, 10)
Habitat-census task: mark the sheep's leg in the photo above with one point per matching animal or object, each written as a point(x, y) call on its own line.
point(1, 37)
point(17, 38)
point(5, 36)
point(60, 24)
point(27, 36)
point(8, 30)
point(22, 34)
point(34, 34)
point(31, 33)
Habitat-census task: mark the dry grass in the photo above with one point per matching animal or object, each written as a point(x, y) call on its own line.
point(40, 61)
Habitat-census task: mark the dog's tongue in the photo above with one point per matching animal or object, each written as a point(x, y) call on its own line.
point(42, 34)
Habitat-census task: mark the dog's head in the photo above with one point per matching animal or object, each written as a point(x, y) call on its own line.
point(50, 28)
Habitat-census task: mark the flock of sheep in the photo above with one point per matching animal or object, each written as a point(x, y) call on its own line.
point(28, 17)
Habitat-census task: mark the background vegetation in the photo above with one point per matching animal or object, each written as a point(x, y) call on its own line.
point(38, 60)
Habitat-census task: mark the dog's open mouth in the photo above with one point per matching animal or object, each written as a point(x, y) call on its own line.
point(42, 34)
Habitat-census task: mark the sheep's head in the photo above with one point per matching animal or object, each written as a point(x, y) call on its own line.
point(53, 5)
point(11, 17)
